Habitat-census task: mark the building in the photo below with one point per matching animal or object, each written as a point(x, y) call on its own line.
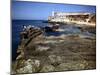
point(72, 17)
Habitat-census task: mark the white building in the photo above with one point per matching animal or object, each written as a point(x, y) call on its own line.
point(69, 17)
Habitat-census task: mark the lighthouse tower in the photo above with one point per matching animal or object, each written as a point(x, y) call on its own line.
point(53, 13)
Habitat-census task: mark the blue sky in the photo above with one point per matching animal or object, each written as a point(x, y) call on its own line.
point(41, 11)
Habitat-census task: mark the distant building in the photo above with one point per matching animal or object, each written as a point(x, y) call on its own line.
point(72, 17)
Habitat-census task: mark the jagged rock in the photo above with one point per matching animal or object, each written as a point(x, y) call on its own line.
point(36, 63)
point(27, 68)
point(72, 66)
point(55, 60)
point(30, 66)
point(36, 66)
point(63, 66)
point(20, 49)
point(47, 68)
point(20, 56)
point(63, 52)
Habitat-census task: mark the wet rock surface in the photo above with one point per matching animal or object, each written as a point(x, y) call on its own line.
point(57, 53)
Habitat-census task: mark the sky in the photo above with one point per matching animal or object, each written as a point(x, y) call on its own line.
point(40, 11)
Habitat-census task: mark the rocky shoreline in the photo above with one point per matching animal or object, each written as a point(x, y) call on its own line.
point(57, 53)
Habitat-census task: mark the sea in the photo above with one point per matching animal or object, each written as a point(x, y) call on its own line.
point(17, 27)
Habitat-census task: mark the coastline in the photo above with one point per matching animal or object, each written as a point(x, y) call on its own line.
point(51, 47)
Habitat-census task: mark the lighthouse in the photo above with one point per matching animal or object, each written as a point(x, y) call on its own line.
point(53, 13)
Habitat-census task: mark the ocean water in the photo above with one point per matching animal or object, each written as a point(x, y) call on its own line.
point(17, 26)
